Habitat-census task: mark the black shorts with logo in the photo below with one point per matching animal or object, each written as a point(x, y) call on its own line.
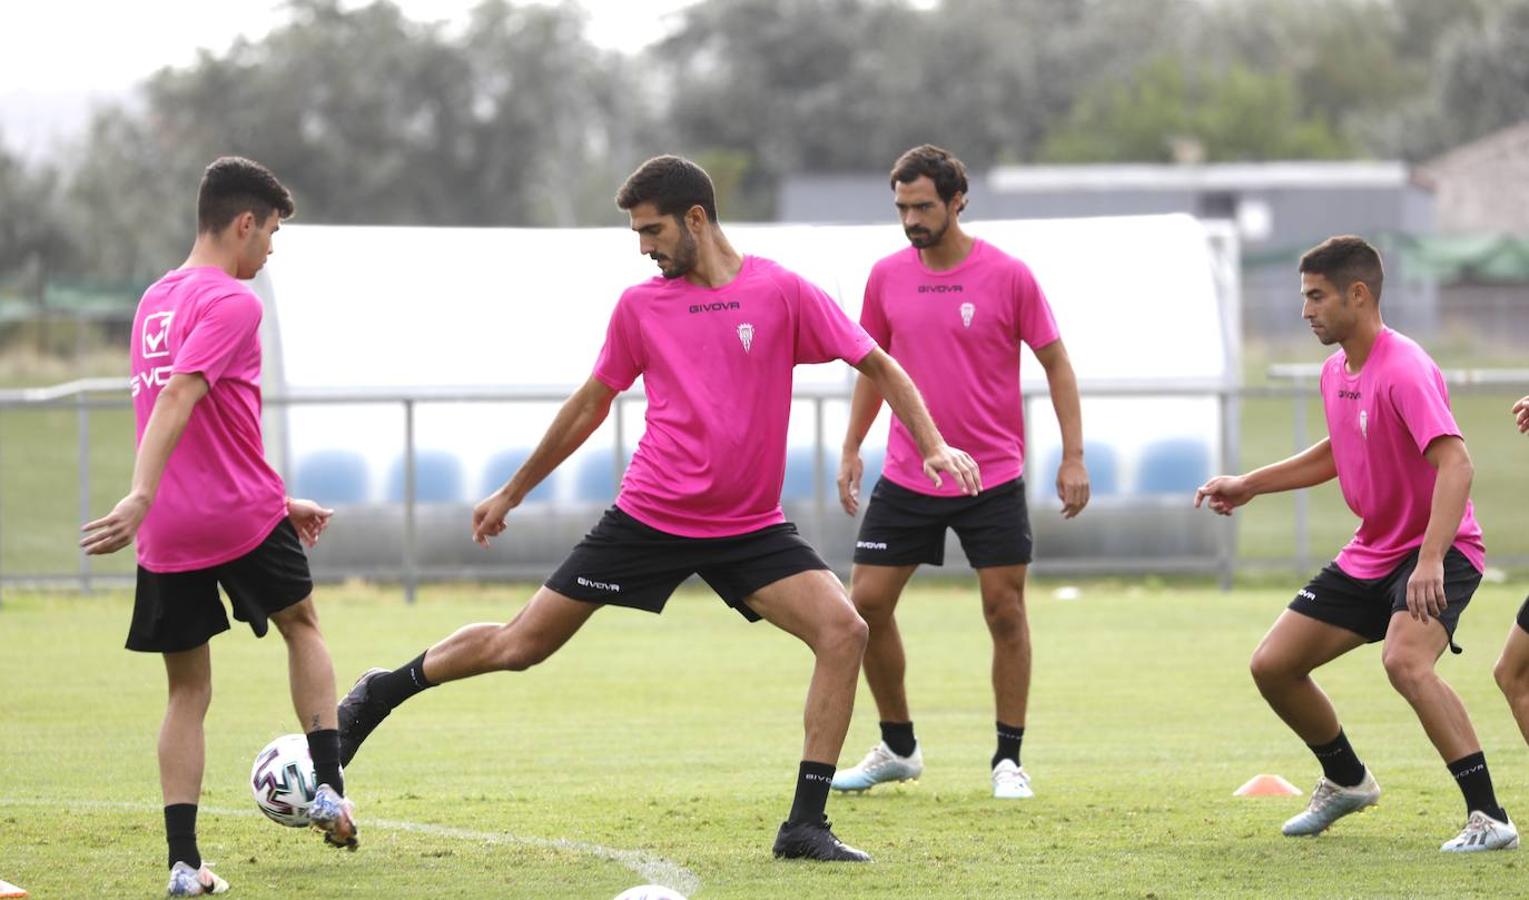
point(1365, 605)
point(176, 611)
point(905, 528)
point(623, 562)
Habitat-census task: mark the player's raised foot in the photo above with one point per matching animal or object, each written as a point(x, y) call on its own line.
point(359, 714)
point(814, 840)
point(188, 882)
point(880, 765)
point(1331, 802)
point(1011, 782)
point(1482, 832)
point(335, 816)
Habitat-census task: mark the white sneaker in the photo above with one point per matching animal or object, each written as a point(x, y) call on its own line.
point(1482, 832)
point(1011, 782)
point(1330, 802)
point(188, 882)
point(880, 765)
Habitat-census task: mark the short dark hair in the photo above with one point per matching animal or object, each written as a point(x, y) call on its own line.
point(673, 184)
point(1345, 259)
point(947, 172)
point(233, 185)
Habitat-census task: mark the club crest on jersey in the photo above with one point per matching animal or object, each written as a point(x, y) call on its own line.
point(1364, 424)
point(746, 335)
point(967, 311)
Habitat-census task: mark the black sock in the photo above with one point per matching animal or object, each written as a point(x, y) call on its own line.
point(1476, 784)
point(324, 748)
point(1009, 739)
point(180, 834)
point(898, 736)
point(812, 782)
point(1339, 762)
point(401, 683)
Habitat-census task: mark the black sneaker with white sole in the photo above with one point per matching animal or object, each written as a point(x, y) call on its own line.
point(359, 714)
point(814, 840)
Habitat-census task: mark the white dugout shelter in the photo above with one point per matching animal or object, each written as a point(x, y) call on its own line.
point(467, 339)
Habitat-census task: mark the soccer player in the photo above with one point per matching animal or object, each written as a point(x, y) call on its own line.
point(952, 309)
point(208, 511)
point(1409, 570)
point(1512, 669)
point(714, 339)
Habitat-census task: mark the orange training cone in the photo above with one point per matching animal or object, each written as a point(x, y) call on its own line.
point(1267, 786)
point(10, 890)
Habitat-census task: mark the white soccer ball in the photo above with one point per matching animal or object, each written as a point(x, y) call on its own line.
point(282, 780)
point(650, 892)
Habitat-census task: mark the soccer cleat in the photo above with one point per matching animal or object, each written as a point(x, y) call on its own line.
point(1011, 782)
point(359, 714)
point(814, 840)
point(880, 765)
point(1482, 832)
point(188, 882)
point(335, 816)
point(1331, 802)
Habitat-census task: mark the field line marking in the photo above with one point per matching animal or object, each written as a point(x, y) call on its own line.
point(650, 866)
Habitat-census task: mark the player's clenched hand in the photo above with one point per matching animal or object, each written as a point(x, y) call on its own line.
point(309, 519)
point(1425, 590)
point(117, 529)
point(959, 465)
point(1521, 414)
point(850, 471)
point(1223, 494)
point(488, 517)
point(1072, 487)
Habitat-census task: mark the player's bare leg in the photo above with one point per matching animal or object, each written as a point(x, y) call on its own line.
point(875, 590)
point(1282, 667)
point(536, 632)
point(182, 745)
point(1003, 607)
point(311, 674)
point(182, 756)
point(1512, 674)
point(814, 607)
point(1412, 650)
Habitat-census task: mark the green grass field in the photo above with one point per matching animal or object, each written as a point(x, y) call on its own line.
point(675, 739)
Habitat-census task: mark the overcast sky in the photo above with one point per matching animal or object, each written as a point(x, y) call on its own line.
point(59, 57)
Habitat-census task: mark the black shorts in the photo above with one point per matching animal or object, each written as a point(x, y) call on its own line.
point(1365, 605)
point(177, 611)
point(906, 528)
point(1523, 615)
point(622, 562)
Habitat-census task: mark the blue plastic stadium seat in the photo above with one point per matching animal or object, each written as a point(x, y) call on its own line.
point(328, 477)
point(798, 484)
point(1103, 470)
point(437, 478)
point(597, 479)
point(1173, 466)
point(502, 465)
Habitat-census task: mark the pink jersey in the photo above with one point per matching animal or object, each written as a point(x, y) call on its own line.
point(1380, 422)
point(716, 364)
point(218, 498)
point(957, 333)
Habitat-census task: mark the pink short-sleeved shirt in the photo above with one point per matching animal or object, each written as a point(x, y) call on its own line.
point(219, 498)
point(716, 364)
point(957, 333)
point(1380, 422)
